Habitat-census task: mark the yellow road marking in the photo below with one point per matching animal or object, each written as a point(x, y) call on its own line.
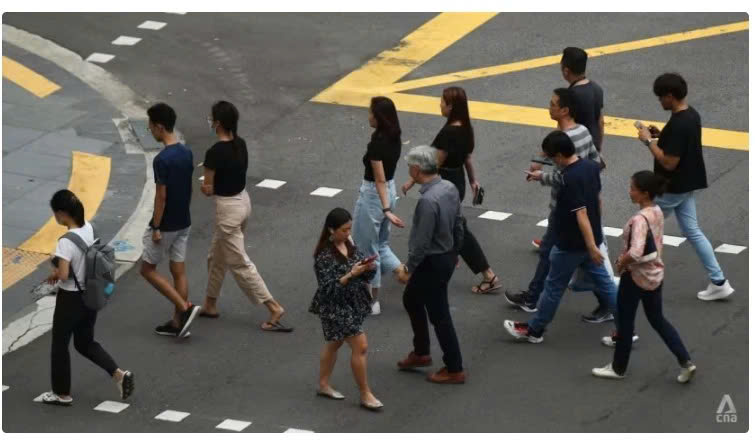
point(89, 179)
point(379, 76)
point(28, 79)
point(556, 59)
point(416, 48)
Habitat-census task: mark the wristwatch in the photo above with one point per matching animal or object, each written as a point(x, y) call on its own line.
point(386, 210)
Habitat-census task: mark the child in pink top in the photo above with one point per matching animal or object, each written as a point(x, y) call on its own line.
point(641, 270)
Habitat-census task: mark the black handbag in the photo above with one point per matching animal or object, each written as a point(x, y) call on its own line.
point(650, 252)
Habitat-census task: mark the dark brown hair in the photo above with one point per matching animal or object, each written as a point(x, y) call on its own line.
point(385, 114)
point(456, 97)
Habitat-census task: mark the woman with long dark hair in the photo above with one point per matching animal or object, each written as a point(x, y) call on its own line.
point(455, 144)
point(225, 167)
point(72, 317)
point(373, 214)
point(642, 271)
point(342, 301)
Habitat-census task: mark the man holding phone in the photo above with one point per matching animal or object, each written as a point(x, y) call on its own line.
point(678, 155)
point(562, 110)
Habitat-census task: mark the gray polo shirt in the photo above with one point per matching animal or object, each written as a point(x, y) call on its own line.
point(437, 226)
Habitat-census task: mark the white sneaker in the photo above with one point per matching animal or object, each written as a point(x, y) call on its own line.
point(714, 292)
point(610, 341)
point(376, 308)
point(685, 375)
point(606, 372)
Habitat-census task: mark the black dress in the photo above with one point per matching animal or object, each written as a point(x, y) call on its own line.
point(342, 309)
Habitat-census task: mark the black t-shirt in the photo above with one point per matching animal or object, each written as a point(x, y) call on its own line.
point(454, 140)
point(589, 99)
point(383, 149)
point(230, 169)
point(682, 137)
point(581, 189)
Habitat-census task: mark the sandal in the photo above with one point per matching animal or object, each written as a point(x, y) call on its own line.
point(276, 327)
point(492, 285)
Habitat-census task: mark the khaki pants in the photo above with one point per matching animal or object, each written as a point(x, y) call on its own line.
point(227, 251)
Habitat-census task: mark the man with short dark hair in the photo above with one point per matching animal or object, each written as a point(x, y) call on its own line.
point(587, 93)
point(168, 230)
point(561, 110)
point(577, 237)
point(678, 155)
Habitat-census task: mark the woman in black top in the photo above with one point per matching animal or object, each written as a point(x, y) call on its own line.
point(225, 166)
point(455, 143)
point(342, 301)
point(373, 213)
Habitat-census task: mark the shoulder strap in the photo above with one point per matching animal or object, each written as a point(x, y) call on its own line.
point(81, 244)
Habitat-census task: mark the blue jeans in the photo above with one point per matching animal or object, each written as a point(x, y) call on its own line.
point(563, 264)
point(371, 230)
point(683, 205)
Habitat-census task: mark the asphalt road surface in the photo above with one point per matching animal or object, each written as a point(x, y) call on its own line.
point(270, 66)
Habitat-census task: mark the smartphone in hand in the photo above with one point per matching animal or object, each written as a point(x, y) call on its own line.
point(369, 259)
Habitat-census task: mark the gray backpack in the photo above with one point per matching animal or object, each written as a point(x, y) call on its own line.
point(99, 264)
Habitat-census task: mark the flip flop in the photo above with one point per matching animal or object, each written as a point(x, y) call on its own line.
point(276, 327)
point(209, 315)
point(335, 395)
point(492, 286)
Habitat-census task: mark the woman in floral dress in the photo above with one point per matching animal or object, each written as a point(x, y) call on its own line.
point(343, 302)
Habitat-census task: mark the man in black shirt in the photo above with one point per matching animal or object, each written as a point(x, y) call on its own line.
point(577, 237)
point(587, 94)
point(678, 154)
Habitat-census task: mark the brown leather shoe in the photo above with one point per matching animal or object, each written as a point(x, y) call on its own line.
point(414, 361)
point(444, 377)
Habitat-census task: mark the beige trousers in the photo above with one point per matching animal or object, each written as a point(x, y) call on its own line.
point(227, 251)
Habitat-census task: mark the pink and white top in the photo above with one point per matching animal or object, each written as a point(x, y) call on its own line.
point(649, 275)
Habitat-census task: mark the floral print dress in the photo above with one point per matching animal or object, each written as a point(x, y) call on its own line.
point(342, 309)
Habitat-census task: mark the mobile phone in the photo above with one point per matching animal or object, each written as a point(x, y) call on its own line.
point(369, 260)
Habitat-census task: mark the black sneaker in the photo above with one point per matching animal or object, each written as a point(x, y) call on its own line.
point(167, 329)
point(600, 314)
point(187, 317)
point(521, 300)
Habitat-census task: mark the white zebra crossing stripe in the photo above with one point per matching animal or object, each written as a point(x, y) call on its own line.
point(5, 387)
point(152, 25)
point(294, 430)
point(670, 240)
point(126, 41)
point(730, 249)
point(233, 425)
point(271, 184)
point(99, 57)
point(111, 407)
point(495, 215)
point(172, 416)
point(324, 191)
point(612, 232)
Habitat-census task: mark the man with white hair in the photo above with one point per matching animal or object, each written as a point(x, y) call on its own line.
point(434, 242)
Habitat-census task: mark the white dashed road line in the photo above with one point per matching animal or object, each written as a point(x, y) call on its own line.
point(495, 215)
point(172, 416)
point(233, 425)
point(670, 240)
point(294, 430)
point(111, 407)
point(270, 183)
point(126, 41)
point(101, 58)
point(730, 249)
point(324, 191)
point(152, 25)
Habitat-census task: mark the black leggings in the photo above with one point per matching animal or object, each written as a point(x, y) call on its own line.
point(470, 252)
point(72, 317)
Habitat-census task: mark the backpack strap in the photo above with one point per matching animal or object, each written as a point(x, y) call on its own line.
point(82, 245)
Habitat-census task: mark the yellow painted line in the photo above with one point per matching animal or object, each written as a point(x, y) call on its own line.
point(556, 59)
point(28, 79)
point(415, 49)
point(516, 114)
point(89, 178)
point(17, 264)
